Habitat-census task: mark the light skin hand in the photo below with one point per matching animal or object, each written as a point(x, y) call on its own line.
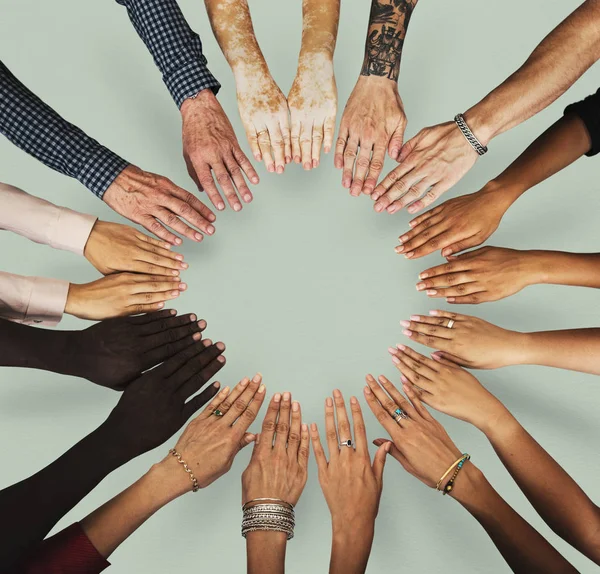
point(479, 276)
point(435, 160)
point(458, 224)
point(121, 294)
point(211, 148)
point(112, 247)
point(371, 125)
point(156, 203)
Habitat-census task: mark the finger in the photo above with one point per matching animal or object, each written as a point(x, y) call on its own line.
point(168, 368)
point(474, 299)
point(270, 422)
point(197, 402)
point(449, 280)
point(414, 223)
point(170, 219)
point(152, 225)
point(392, 179)
point(434, 326)
point(241, 403)
point(304, 449)
point(457, 290)
point(278, 146)
point(264, 143)
point(317, 142)
point(343, 424)
point(438, 242)
point(349, 157)
point(282, 429)
point(396, 141)
point(330, 430)
point(421, 234)
point(362, 166)
point(396, 396)
point(412, 371)
point(204, 367)
point(236, 173)
point(137, 300)
point(379, 462)
point(430, 365)
point(295, 431)
point(448, 359)
point(417, 189)
point(448, 315)
point(205, 179)
point(380, 413)
point(244, 163)
point(453, 266)
point(171, 329)
point(252, 138)
point(405, 190)
point(461, 244)
point(360, 433)
point(160, 248)
point(432, 195)
point(394, 452)
point(416, 402)
point(385, 401)
point(318, 448)
point(432, 341)
point(142, 237)
point(151, 264)
point(295, 136)
point(236, 393)
point(340, 146)
point(223, 178)
point(328, 134)
point(375, 169)
point(306, 132)
point(167, 350)
point(150, 318)
point(247, 439)
point(215, 403)
point(190, 208)
point(249, 415)
point(287, 139)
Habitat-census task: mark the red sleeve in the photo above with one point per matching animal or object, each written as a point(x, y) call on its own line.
point(68, 552)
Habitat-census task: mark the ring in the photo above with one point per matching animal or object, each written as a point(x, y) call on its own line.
point(260, 133)
point(346, 443)
point(450, 324)
point(399, 415)
point(218, 413)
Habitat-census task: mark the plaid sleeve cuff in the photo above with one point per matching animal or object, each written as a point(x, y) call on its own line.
point(99, 169)
point(190, 79)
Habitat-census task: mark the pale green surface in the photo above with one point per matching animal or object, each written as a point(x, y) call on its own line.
point(303, 285)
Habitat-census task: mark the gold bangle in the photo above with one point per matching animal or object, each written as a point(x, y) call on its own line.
point(437, 487)
point(195, 485)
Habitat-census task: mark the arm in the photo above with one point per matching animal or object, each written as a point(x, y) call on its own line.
point(469, 220)
point(263, 107)
point(374, 114)
point(265, 552)
point(313, 97)
point(442, 156)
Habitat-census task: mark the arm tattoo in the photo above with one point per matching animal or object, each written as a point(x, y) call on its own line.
point(387, 29)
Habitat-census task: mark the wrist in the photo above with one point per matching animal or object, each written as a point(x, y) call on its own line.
point(380, 84)
point(72, 306)
point(499, 423)
point(203, 98)
point(172, 477)
point(469, 487)
point(481, 123)
point(502, 194)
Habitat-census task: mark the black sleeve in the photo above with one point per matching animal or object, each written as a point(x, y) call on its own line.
point(589, 112)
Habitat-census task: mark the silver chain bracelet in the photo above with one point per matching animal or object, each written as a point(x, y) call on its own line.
point(469, 136)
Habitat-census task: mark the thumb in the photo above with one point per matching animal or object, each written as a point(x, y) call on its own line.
point(379, 461)
point(246, 440)
point(396, 142)
point(391, 449)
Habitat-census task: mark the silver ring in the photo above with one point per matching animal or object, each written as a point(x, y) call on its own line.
point(347, 443)
point(450, 324)
point(399, 415)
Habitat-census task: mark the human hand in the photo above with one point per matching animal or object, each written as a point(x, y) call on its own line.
point(373, 120)
point(420, 443)
point(209, 143)
point(471, 342)
point(120, 295)
point(114, 352)
point(351, 484)
point(479, 276)
point(156, 203)
point(313, 107)
point(279, 464)
point(455, 225)
point(112, 247)
point(153, 407)
point(437, 158)
point(447, 387)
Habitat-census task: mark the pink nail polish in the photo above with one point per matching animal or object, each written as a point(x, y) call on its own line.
point(396, 360)
point(421, 286)
point(431, 292)
point(210, 230)
point(423, 275)
point(415, 318)
point(405, 323)
point(407, 333)
point(220, 206)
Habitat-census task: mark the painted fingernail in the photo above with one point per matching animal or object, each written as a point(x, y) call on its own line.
point(160, 305)
point(257, 378)
point(277, 397)
point(286, 396)
point(177, 241)
point(221, 359)
point(450, 299)
point(261, 389)
point(220, 206)
point(392, 350)
point(431, 292)
point(401, 347)
point(237, 206)
point(247, 198)
point(198, 237)
point(280, 169)
point(304, 427)
point(179, 257)
point(405, 323)
point(415, 318)
point(271, 168)
point(182, 286)
point(421, 286)
point(220, 346)
point(395, 359)
point(295, 407)
point(433, 312)
point(244, 381)
point(202, 324)
point(254, 179)
point(210, 229)
point(409, 254)
point(407, 333)
point(174, 293)
point(329, 401)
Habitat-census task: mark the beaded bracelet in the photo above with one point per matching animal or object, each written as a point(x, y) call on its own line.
point(450, 484)
point(195, 485)
point(439, 483)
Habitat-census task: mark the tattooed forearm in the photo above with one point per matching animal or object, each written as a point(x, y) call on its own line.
point(387, 29)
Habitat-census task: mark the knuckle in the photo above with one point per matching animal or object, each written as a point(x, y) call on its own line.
point(269, 426)
point(293, 437)
point(282, 428)
point(239, 405)
point(331, 435)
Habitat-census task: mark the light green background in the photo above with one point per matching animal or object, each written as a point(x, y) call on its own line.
point(303, 284)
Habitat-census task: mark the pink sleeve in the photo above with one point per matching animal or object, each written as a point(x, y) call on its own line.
point(42, 221)
point(30, 300)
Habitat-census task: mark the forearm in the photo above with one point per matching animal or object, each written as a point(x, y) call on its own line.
point(266, 552)
point(388, 24)
point(573, 349)
point(320, 20)
point(562, 268)
point(31, 508)
point(557, 498)
point(557, 62)
point(350, 548)
point(523, 548)
point(559, 146)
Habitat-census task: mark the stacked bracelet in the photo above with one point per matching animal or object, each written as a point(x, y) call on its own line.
point(469, 135)
point(195, 485)
point(268, 514)
point(456, 467)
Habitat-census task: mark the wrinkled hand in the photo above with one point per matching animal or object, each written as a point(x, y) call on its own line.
point(458, 224)
point(447, 388)
point(313, 107)
point(373, 121)
point(121, 294)
point(155, 203)
point(112, 247)
point(351, 484)
point(471, 342)
point(420, 443)
point(437, 158)
point(279, 464)
point(209, 143)
point(114, 352)
point(154, 407)
point(264, 112)
point(210, 443)
point(486, 274)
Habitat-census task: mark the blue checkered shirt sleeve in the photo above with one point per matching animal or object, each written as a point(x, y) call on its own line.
point(175, 47)
point(38, 130)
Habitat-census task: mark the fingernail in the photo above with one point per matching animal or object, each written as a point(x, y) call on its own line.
point(173, 312)
point(175, 272)
point(212, 217)
point(221, 359)
point(197, 336)
point(254, 180)
point(160, 305)
point(392, 209)
point(315, 163)
point(182, 286)
point(326, 149)
point(423, 275)
point(307, 165)
point(286, 396)
point(431, 292)
point(193, 318)
point(367, 391)
point(378, 207)
point(258, 157)
point(421, 286)
point(297, 159)
point(277, 397)
point(403, 238)
point(237, 206)
point(406, 388)
point(202, 324)
point(411, 209)
point(353, 400)
point(184, 265)
point(401, 347)
point(400, 249)
point(244, 381)
point(220, 206)
point(174, 293)
point(288, 159)
point(271, 168)
point(415, 318)
point(433, 313)
point(198, 237)
point(407, 333)
point(295, 407)
point(207, 342)
point(224, 391)
point(313, 426)
point(403, 379)
point(279, 169)
point(177, 241)
point(247, 198)
point(304, 427)
point(210, 229)
point(395, 153)
point(405, 323)
point(392, 350)
point(446, 252)
point(409, 254)
point(261, 389)
point(257, 378)
point(395, 359)
point(450, 299)
point(179, 257)
point(329, 401)
point(220, 346)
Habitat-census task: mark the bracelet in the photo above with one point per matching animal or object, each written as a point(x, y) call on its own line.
point(274, 516)
point(195, 485)
point(450, 484)
point(469, 135)
point(454, 464)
